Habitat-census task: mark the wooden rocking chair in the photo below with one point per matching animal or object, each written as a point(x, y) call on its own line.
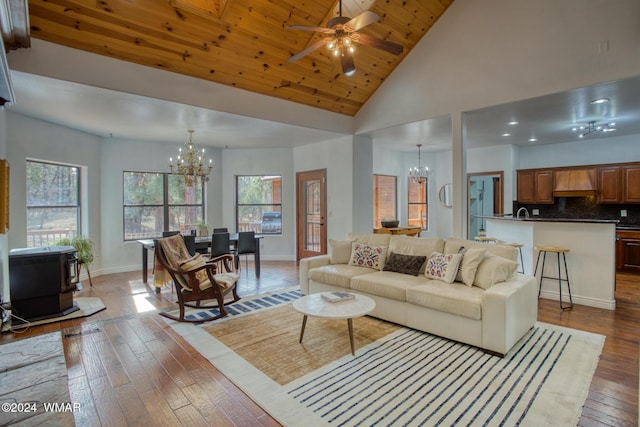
point(196, 278)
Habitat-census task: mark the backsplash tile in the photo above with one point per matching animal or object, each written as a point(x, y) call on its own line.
point(583, 208)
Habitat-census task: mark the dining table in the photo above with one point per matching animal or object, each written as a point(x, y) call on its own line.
point(202, 244)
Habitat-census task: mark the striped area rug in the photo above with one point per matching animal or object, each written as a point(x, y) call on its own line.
point(413, 378)
point(247, 305)
point(410, 378)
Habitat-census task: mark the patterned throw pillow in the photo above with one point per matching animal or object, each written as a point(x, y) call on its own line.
point(443, 266)
point(367, 256)
point(406, 264)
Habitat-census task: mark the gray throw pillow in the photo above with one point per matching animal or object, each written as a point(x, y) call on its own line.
point(406, 264)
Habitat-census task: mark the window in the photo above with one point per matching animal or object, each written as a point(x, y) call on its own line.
point(384, 198)
point(259, 203)
point(155, 202)
point(417, 208)
point(53, 202)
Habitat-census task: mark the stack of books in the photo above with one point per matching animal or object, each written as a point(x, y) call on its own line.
point(337, 296)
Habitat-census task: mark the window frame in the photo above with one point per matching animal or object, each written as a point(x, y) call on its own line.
point(377, 215)
point(78, 196)
point(165, 205)
point(238, 205)
point(425, 203)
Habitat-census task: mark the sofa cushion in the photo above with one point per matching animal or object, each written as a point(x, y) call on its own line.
point(340, 251)
point(455, 298)
point(368, 256)
point(493, 269)
point(452, 246)
point(387, 284)
point(371, 239)
point(337, 274)
point(405, 264)
point(408, 245)
point(471, 259)
point(443, 266)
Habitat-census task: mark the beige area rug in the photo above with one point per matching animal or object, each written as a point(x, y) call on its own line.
point(399, 376)
point(35, 388)
point(87, 306)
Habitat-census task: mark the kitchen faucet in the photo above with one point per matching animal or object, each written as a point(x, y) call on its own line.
point(526, 213)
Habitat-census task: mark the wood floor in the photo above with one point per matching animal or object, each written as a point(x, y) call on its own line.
point(128, 368)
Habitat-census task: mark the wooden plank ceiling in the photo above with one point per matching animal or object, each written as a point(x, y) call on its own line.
point(240, 43)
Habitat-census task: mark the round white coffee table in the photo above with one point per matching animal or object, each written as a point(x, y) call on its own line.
point(314, 305)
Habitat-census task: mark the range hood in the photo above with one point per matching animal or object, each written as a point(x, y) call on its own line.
point(574, 183)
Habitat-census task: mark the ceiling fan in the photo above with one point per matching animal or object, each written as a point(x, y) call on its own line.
point(342, 34)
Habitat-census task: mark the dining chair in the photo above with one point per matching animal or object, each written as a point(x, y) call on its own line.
point(221, 230)
point(169, 233)
point(190, 243)
point(246, 246)
point(220, 244)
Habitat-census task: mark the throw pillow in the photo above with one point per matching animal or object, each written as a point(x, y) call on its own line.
point(406, 264)
point(367, 256)
point(443, 266)
point(471, 258)
point(340, 251)
point(493, 269)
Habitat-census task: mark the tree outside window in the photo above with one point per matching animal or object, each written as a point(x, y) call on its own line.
point(384, 199)
point(53, 202)
point(155, 202)
point(259, 203)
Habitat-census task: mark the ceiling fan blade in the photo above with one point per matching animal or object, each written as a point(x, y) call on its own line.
point(348, 66)
point(307, 28)
point(362, 20)
point(390, 47)
point(310, 49)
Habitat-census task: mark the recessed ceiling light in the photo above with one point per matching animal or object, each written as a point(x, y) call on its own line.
point(532, 139)
point(513, 123)
point(506, 134)
point(600, 100)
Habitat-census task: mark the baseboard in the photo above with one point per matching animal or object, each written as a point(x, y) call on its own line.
point(591, 302)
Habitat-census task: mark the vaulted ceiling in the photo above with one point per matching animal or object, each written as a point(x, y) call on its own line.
point(241, 43)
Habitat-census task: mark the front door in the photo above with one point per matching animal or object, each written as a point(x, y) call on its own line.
point(311, 213)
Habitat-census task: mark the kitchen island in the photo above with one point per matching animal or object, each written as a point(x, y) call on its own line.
point(591, 261)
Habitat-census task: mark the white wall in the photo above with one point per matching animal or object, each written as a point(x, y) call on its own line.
point(588, 151)
point(272, 161)
point(483, 53)
point(336, 156)
point(36, 139)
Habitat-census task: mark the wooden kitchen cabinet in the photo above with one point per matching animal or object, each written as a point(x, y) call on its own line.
point(619, 184)
point(535, 186)
point(631, 184)
point(609, 185)
point(628, 250)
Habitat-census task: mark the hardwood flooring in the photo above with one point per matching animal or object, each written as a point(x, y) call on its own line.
point(126, 367)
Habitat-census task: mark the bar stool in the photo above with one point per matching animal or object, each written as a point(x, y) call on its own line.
point(557, 251)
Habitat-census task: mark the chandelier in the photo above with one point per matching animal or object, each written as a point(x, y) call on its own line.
point(190, 162)
point(592, 127)
point(419, 174)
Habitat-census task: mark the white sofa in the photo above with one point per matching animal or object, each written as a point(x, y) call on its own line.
point(493, 319)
